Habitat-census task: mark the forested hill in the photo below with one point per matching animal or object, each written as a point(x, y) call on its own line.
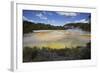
point(83, 26)
point(30, 27)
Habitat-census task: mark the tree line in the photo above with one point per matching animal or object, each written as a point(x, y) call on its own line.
point(31, 26)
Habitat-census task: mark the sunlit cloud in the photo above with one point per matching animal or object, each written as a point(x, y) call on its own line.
point(26, 19)
point(41, 16)
point(67, 13)
point(68, 22)
point(78, 21)
point(81, 21)
point(57, 18)
point(51, 22)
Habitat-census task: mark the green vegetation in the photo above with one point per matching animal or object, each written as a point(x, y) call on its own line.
point(37, 54)
point(83, 26)
point(30, 26)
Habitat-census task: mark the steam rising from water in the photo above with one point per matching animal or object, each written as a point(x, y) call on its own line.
point(56, 38)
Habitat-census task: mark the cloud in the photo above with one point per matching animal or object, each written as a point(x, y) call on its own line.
point(41, 16)
point(47, 12)
point(53, 21)
point(26, 19)
point(67, 13)
point(78, 21)
point(81, 21)
point(69, 22)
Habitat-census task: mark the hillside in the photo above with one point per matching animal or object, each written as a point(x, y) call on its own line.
point(83, 26)
point(31, 26)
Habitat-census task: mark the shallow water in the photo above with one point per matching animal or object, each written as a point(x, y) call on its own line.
point(56, 38)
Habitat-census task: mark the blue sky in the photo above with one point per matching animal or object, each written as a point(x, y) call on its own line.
point(56, 18)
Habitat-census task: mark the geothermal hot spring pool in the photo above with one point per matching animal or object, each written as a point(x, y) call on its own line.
point(56, 38)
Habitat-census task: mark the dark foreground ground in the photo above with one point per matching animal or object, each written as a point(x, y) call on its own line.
point(36, 54)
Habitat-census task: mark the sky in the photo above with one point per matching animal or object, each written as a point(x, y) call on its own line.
point(56, 18)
